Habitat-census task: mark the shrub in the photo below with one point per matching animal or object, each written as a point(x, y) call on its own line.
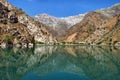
point(13, 19)
point(4, 21)
point(39, 42)
point(8, 38)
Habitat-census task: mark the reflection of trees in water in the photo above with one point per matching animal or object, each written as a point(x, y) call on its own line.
point(12, 60)
point(99, 63)
point(15, 62)
point(96, 62)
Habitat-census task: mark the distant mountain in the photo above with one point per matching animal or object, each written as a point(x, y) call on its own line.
point(98, 27)
point(72, 20)
point(17, 27)
point(59, 25)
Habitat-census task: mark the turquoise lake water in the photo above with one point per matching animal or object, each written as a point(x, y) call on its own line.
point(60, 63)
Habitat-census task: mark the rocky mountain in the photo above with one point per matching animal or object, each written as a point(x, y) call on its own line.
point(97, 28)
point(18, 27)
point(111, 11)
point(72, 20)
point(59, 25)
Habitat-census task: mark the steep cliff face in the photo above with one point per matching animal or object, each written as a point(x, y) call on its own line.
point(38, 30)
point(11, 31)
point(15, 22)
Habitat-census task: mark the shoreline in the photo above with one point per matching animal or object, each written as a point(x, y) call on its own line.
point(31, 45)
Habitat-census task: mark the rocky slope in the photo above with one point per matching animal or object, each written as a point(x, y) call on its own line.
point(11, 31)
point(18, 27)
point(96, 28)
point(111, 11)
point(90, 27)
point(113, 36)
point(59, 25)
point(81, 31)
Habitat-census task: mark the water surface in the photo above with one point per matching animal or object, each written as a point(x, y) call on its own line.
point(60, 63)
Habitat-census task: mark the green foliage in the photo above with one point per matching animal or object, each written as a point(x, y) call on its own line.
point(91, 29)
point(63, 42)
point(39, 43)
point(68, 43)
point(1, 15)
point(8, 38)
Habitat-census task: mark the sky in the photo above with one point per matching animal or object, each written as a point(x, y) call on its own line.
point(61, 8)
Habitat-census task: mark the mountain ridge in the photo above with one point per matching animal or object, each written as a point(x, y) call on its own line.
point(58, 26)
point(70, 21)
point(97, 28)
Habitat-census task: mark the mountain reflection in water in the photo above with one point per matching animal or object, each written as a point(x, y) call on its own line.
point(60, 63)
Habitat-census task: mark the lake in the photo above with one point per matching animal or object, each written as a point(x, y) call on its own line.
point(60, 63)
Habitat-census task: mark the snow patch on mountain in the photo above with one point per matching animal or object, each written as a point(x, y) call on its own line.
point(72, 20)
point(54, 22)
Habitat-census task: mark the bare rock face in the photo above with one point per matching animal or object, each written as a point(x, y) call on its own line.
point(6, 3)
point(40, 32)
point(11, 29)
point(18, 27)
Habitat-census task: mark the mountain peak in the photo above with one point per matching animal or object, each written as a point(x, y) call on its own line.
point(70, 20)
point(59, 25)
point(44, 14)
